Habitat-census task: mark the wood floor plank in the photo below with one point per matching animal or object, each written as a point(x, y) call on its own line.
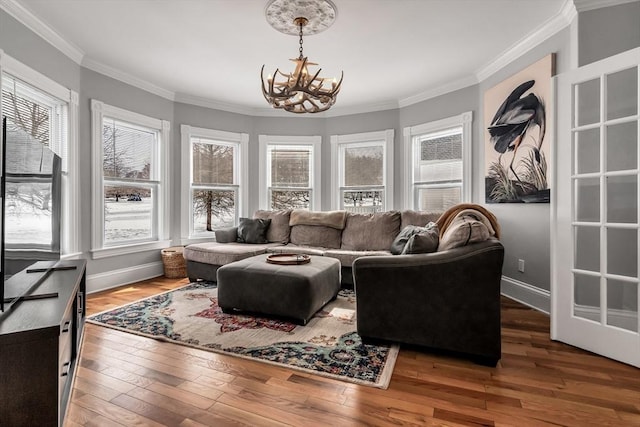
point(115, 412)
point(243, 417)
point(130, 380)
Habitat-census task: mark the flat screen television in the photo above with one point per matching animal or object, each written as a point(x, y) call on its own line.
point(31, 207)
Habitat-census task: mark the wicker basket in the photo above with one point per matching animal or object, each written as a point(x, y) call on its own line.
point(175, 266)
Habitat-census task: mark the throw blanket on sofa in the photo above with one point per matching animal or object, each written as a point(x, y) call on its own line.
point(480, 212)
point(333, 219)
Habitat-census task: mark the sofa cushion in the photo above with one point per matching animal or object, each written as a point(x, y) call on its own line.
point(215, 253)
point(423, 242)
point(279, 230)
point(253, 230)
point(346, 258)
point(420, 218)
point(426, 242)
point(226, 235)
point(370, 232)
point(463, 230)
point(333, 219)
point(316, 235)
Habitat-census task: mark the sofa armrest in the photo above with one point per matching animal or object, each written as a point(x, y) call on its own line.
point(448, 300)
point(226, 235)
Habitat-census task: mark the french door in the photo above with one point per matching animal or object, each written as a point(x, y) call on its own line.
point(596, 214)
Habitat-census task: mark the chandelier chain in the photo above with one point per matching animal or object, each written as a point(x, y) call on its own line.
point(300, 34)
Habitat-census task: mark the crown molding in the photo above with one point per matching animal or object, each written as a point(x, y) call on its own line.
point(584, 5)
point(213, 104)
point(126, 78)
point(35, 24)
point(546, 30)
point(361, 109)
point(438, 91)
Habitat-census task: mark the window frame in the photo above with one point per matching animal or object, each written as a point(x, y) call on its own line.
point(412, 135)
point(314, 144)
point(161, 209)
point(69, 99)
point(339, 144)
point(240, 142)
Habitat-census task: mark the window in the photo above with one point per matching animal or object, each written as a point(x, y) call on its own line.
point(362, 171)
point(48, 113)
point(438, 164)
point(130, 191)
point(214, 175)
point(290, 172)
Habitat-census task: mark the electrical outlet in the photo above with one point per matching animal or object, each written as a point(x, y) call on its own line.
point(521, 265)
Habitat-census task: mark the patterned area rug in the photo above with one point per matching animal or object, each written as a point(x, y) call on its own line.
point(328, 345)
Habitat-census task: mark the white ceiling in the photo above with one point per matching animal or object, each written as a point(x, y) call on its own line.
point(392, 52)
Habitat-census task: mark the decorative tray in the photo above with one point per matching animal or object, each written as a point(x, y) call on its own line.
point(288, 259)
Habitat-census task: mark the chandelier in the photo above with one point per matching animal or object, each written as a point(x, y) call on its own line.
point(301, 91)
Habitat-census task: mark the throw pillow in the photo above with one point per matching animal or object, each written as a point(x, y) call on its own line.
point(462, 231)
point(428, 242)
point(279, 230)
point(370, 232)
point(253, 230)
point(423, 242)
point(226, 235)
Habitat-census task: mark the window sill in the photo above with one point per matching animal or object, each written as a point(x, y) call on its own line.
point(129, 249)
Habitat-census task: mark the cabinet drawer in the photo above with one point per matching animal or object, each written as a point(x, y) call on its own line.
point(66, 331)
point(64, 370)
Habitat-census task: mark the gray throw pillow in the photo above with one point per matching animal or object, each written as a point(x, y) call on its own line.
point(226, 235)
point(253, 230)
point(424, 243)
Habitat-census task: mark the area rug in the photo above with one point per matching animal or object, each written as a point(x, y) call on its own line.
point(328, 345)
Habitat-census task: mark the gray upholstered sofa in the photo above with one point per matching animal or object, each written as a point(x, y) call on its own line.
point(338, 234)
point(448, 300)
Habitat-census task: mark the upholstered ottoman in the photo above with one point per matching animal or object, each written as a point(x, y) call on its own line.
point(292, 291)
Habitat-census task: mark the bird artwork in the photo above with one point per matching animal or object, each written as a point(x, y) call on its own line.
point(516, 133)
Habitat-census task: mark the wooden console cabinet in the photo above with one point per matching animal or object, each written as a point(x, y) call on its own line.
point(40, 343)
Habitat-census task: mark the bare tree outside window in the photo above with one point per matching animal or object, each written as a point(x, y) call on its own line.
point(30, 116)
point(284, 199)
point(28, 197)
point(363, 169)
point(128, 187)
point(290, 178)
point(126, 154)
point(213, 166)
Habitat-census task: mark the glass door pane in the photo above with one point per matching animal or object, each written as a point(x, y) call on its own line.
point(622, 94)
point(587, 148)
point(622, 304)
point(587, 109)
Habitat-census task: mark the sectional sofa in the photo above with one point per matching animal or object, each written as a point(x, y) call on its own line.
point(338, 234)
point(420, 279)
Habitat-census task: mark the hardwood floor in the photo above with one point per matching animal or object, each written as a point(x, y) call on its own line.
point(125, 379)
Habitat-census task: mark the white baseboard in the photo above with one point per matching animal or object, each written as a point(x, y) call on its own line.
point(103, 281)
point(625, 319)
point(526, 294)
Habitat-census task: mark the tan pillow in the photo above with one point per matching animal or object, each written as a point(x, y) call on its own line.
point(462, 231)
point(370, 232)
point(316, 236)
point(279, 230)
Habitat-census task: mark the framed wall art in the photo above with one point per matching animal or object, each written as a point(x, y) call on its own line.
point(517, 136)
